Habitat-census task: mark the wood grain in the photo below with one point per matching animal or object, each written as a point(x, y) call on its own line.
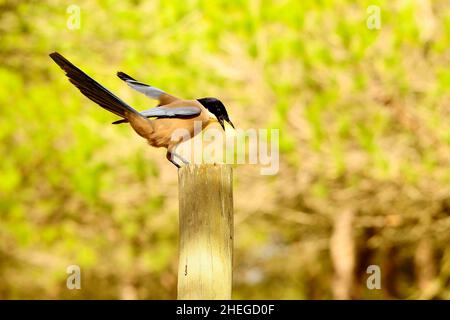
point(206, 231)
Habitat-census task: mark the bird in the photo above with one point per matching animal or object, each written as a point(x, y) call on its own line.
point(159, 124)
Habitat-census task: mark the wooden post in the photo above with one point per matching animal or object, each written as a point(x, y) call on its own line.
point(206, 232)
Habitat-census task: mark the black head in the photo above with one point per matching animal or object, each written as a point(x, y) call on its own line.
point(216, 107)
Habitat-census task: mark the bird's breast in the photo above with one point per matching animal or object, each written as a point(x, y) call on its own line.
point(170, 131)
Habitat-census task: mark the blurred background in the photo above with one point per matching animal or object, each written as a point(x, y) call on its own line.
point(364, 121)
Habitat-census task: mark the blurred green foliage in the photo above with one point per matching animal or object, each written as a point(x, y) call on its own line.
point(363, 116)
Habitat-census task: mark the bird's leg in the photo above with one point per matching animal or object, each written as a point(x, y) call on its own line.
point(172, 151)
point(180, 157)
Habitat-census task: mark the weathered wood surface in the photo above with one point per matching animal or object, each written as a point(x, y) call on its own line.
point(206, 231)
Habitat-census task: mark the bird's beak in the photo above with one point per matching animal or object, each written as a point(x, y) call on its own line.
point(231, 123)
point(222, 123)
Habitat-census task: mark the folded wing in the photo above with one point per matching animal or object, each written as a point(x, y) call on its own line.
point(168, 112)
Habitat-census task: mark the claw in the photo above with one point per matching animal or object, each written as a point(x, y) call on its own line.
point(169, 156)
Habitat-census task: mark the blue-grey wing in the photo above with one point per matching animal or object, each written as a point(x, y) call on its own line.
point(173, 112)
point(166, 112)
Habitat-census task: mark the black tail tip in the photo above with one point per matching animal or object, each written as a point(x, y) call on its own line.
point(61, 61)
point(55, 55)
point(124, 76)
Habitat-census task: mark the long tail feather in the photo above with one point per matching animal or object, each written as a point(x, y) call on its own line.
point(91, 88)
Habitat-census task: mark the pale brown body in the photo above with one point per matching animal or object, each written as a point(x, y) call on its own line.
point(165, 132)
